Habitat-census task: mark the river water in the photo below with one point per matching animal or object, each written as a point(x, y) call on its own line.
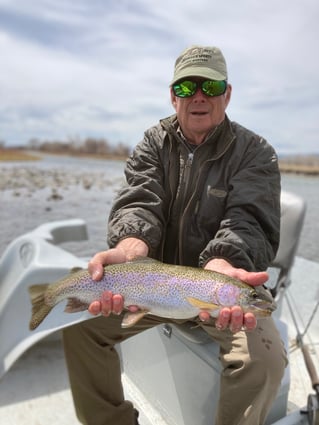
point(58, 188)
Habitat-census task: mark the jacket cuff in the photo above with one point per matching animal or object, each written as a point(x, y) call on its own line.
point(231, 253)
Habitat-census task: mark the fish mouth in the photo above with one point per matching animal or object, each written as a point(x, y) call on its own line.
point(263, 303)
point(263, 308)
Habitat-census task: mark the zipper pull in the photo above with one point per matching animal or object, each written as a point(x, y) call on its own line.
point(189, 159)
point(187, 167)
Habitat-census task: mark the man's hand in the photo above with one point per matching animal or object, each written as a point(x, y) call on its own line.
point(234, 317)
point(125, 250)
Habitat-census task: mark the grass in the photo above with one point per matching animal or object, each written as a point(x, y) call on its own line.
point(8, 155)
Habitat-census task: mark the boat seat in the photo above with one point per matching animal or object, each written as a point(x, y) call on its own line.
point(293, 210)
point(34, 258)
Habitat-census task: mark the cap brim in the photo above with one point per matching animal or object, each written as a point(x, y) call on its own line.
point(197, 71)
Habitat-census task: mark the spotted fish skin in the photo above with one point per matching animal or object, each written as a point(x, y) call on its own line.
point(164, 290)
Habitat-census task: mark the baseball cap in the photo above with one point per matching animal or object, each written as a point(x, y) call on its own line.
point(198, 61)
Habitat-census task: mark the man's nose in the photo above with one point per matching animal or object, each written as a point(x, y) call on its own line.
point(199, 96)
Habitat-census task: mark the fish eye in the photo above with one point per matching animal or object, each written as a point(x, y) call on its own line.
point(255, 295)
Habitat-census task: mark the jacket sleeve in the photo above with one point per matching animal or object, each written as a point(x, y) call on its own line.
point(248, 236)
point(138, 209)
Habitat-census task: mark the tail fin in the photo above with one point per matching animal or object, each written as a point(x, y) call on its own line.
point(39, 309)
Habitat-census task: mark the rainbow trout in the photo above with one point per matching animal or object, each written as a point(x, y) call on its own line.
point(164, 290)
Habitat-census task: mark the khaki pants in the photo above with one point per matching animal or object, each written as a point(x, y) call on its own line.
point(253, 364)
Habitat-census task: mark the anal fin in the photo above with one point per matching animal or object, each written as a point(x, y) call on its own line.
point(130, 319)
point(75, 305)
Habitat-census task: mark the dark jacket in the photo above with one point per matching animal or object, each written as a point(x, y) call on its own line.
point(221, 199)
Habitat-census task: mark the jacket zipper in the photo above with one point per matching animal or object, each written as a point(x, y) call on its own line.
point(188, 166)
point(186, 179)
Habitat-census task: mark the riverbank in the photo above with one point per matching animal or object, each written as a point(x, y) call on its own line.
point(9, 155)
point(13, 155)
point(298, 164)
point(302, 164)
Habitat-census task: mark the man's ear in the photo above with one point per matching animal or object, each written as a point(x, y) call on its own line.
point(173, 98)
point(227, 95)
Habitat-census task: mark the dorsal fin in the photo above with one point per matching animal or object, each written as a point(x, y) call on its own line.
point(76, 269)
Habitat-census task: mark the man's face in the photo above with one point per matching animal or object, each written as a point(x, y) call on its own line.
point(199, 114)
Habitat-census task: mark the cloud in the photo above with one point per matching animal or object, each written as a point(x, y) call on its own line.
point(103, 68)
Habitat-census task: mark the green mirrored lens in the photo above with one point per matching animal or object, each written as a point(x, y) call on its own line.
point(185, 88)
point(188, 88)
point(214, 88)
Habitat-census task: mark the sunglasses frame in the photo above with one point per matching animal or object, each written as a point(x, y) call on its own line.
point(198, 85)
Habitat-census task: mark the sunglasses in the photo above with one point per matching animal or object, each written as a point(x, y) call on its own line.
point(188, 88)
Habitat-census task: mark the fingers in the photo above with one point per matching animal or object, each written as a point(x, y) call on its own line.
point(222, 266)
point(232, 318)
point(255, 278)
point(250, 321)
point(224, 319)
point(109, 304)
point(95, 308)
point(97, 263)
point(96, 270)
point(204, 316)
point(236, 320)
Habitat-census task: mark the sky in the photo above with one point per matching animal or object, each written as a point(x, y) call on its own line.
point(102, 68)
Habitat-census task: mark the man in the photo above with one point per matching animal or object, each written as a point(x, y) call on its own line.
point(201, 191)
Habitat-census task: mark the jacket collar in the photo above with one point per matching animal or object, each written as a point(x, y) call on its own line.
point(217, 141)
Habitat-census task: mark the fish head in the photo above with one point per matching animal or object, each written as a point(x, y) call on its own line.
point(260, 302)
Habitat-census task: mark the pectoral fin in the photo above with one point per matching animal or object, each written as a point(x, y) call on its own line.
point(203, 305)
point(130, 319)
